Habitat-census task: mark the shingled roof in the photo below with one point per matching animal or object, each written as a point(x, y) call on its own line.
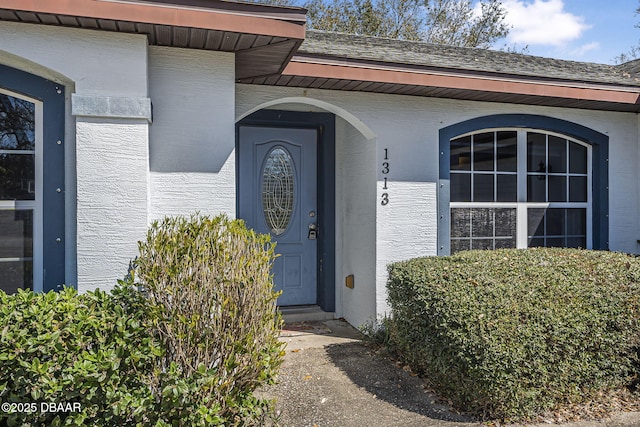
point(384, 50)
point(348, 62)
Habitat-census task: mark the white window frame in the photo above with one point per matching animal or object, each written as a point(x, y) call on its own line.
point(522, 205)
point(36, 205)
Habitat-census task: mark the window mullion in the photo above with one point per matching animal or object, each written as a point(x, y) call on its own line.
point(495, 169)
point(546, 168)
point(522, 236)
point(521, 210)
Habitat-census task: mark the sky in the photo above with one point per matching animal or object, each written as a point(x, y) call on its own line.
point(581, 30)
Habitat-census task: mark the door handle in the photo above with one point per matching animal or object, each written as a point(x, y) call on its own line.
point(313, 231)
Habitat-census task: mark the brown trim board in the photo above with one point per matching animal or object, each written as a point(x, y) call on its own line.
point(472, 83)
point(161, 14)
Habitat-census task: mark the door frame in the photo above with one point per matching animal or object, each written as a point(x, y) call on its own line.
point(324, 123)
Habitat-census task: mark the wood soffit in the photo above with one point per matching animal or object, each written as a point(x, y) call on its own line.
point(305, 71)
point(274, 33)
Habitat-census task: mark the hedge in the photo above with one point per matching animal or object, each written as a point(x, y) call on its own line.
point(508, 334)
point(93, 349)
point(189, 349)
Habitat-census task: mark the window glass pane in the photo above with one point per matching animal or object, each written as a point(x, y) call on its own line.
point(578, 189)
point(577, 158)
point(278, 190)
point(460, 187)
point(458, 245)
point(537, 242)
point(482, 222)
point(507, 188)
point(16, 234)
point(483, 152)
point(17, 124)
point(555, 222)
point(555, 242)
point(507, 146)
point(535, 222)
point(536, 152)
point(557, 155)
point(16, 275)
point(488, 228)
point(536, 188)
point(460, 154)
point(560, 223)
point(482, 244)
point(505, 243)
point(483, 188)
point(17, 177)
point(460, 222)
point(577, 222)
point(500, 222)
point(505, 220)
point(576, 242)
point(557, 188)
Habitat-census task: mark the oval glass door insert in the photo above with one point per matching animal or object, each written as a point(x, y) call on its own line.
point(278, 190)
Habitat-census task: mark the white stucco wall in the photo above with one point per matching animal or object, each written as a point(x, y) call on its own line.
point(97, 62)
point(106, 159)
point(192, 157)
point(112, 198)
point(408, 127)
point(355, 223)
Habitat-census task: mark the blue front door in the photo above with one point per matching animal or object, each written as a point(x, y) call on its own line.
point(277, 194)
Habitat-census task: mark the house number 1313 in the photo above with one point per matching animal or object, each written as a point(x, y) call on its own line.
point(385, 171)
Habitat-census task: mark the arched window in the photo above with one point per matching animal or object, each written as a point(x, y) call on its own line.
point(521, 186)
point(515, 188)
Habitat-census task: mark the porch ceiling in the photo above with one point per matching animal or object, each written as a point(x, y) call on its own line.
point(264, 38)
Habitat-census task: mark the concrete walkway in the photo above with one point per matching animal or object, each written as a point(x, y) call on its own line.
point(331, 379)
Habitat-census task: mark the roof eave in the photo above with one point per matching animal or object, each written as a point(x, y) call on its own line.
point(263, 37)
point(310, 72)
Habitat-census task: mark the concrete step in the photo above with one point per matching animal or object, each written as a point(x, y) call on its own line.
point(305, 313)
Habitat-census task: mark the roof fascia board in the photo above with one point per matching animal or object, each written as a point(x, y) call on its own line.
point(459, 72)
point(161, 14)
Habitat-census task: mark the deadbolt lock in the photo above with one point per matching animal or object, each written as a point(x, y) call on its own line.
point(313, 232)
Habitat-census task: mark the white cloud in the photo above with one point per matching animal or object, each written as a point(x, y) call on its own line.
point(584, 49)
point(542, 22)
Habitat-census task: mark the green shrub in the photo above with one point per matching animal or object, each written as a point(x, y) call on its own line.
point(93, 349)
point(511, 333)
point(209, 283)
point(189, 351)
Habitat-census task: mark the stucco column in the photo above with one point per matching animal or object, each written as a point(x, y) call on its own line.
point(112, 158)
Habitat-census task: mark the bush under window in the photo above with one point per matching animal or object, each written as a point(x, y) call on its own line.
point(513, 333)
